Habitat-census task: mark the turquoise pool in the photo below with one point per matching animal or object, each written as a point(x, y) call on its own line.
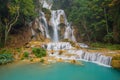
point(57, 71)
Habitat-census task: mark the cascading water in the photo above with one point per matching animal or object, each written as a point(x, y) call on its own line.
point(44, 22)
point(54, 23)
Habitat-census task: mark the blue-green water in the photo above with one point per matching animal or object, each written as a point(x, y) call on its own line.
point(57, 71)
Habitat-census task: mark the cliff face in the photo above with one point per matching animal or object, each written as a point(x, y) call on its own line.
point(19, 37)
point(23, 35)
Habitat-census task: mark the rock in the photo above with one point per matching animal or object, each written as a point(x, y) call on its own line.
point(116, 64)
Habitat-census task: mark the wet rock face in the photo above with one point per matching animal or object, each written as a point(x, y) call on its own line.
point(36, 29)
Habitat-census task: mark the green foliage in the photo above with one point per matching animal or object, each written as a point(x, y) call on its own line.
point(27, 12)
point(15, 13)
point(26, 54)
point(108, 37)
point(5, 56)
point(39, 52)
point(97, 20)
point(105, 45)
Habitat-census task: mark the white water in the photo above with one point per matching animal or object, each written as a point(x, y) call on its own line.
point(97, 58)
point(53, 31)
point(44, 23)
point(68, 34)
point(45, 4)
point(59, 46)
point(55, 22)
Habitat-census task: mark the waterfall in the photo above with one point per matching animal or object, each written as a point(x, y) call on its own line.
point(52, 29)
point(98, 58)
point(44, 23)
point(54, 22)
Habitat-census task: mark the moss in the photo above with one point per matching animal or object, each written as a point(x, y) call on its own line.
point(47, 13)
point(62, 19)
point(31, 59)
point(42, 60)
point(116, 62)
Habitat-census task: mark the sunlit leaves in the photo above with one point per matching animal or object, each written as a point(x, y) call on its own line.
point(13, 9)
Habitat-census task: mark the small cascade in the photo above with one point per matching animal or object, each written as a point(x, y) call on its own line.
point(92, 57)
point(59, 46)
point(69, 33)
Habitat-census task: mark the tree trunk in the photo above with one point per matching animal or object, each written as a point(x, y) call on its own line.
point(116, 34)
point(105, 14)
point(6, 37)
point(9, 26)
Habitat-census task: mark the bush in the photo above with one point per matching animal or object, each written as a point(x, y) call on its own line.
point(39, 52)
point(26, 54)
point(5, 56)
point(31, 60)
point(108, 38)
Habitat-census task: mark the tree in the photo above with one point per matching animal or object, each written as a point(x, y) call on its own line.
point(15, 12)
point(115, 11)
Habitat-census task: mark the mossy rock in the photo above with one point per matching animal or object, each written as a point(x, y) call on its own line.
point(115, 64)
point(47, 13)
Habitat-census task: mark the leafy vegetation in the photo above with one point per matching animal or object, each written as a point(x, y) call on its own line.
point(26, 54)
point(97, 20)
point(105, 45)
point(14, 13)
point(39, 52)
point(5, 56)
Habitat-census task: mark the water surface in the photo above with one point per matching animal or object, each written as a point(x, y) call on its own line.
point(57, 71)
